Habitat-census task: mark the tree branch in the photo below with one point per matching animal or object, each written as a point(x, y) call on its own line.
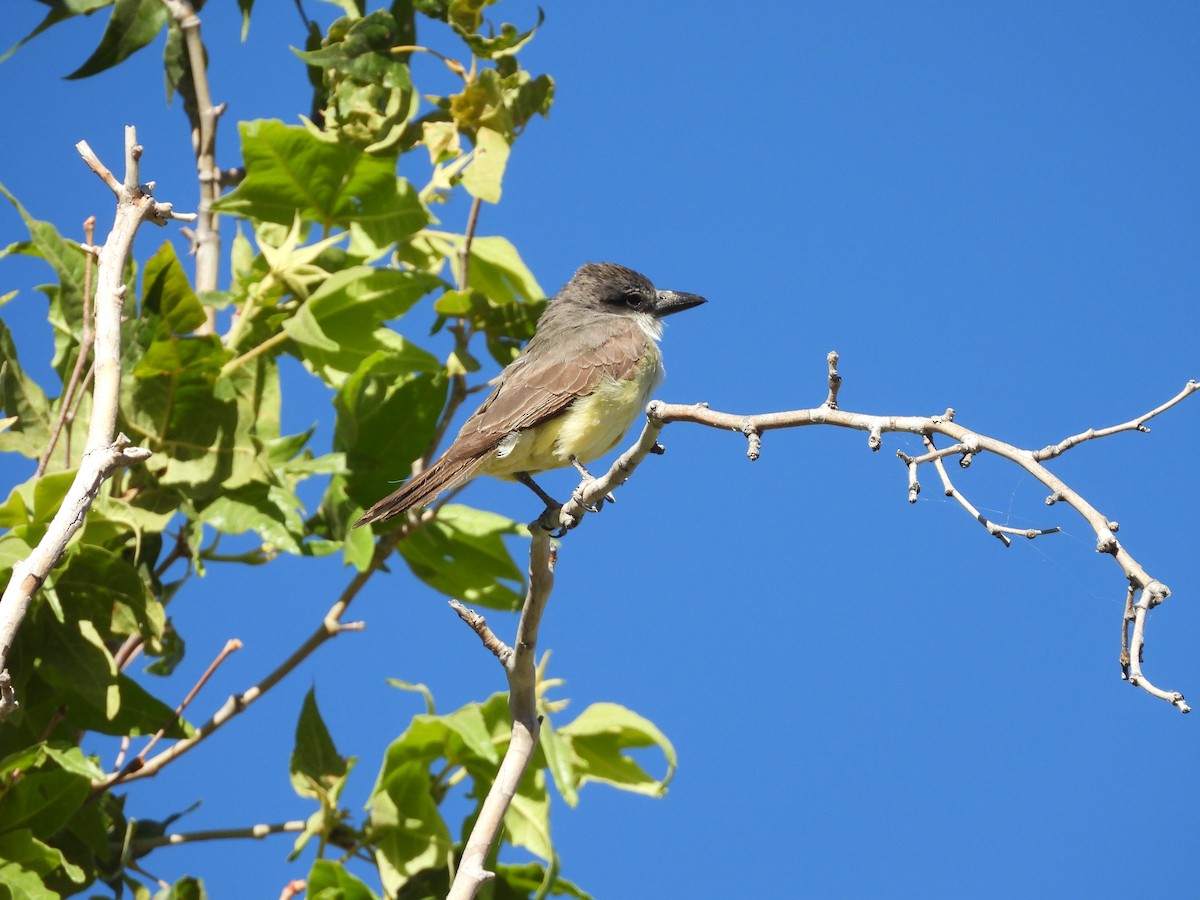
point(206, 239)
point(140, 846)
point(331, 626)
point(521, 670)
point(1148, 591)
point(105, 451)
point(86, 338)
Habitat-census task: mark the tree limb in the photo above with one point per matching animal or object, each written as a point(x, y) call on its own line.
point(105, 450)
point(206, 238)
point(521, 671)
point(1146, 591)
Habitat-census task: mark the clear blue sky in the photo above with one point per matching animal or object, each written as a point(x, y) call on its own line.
point(987, 206)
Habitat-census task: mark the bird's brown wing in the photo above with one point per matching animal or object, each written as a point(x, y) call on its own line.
point(537, 386)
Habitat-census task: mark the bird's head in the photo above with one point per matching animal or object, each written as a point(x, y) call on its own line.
point(615, 289)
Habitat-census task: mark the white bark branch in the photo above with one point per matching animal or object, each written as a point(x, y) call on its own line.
point(521, 670)
point(1146, 592)
point(105, 451)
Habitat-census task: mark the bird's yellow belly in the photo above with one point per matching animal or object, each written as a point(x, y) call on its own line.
point(590, 427)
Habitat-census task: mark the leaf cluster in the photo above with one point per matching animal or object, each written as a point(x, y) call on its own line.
point(335, 259)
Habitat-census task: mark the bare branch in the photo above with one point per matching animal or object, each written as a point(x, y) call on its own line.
point(140, 846)
point(81, 360)
point(479, 625)
point(1138, 424)
point(521, 670)
point(331, 626)
point(967, 443)
point(206, 238)
point(93, 162)
point(835, 380)
point(104, 451)
point(998, 531)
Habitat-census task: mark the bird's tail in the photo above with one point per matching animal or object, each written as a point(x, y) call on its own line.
point(422, 488)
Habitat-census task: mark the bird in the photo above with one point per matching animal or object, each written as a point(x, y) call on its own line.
point(570, 395)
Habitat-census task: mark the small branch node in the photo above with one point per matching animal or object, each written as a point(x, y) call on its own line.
point(753, 440)
point(1107, 544)
point(1055, 497)
point(835, 380)
point(479, 625)
point(1155, 593)
point(8, 696)
point(875, 438)
point(914, 486)
point(658, 449)
point(1114, 527)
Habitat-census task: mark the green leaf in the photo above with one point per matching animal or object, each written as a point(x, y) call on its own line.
point(330, 881)
point(560, 762)
point(168, 295)
point(132, 25)
point(21, 396)
point(316, 766)
point(407, 830)
point(461, 737)
point(363, 51)
point(184, 889)
point(527, 879)
point(79, 662)
point(48, 494)
point(198, 424)
point(268, 510)
point(506, 43)
point(483, 176)
point(43, 800)
point(598, 737)
point(22, 848)
point(498, 271)
point(527, 822)
point(104, 587)
point(340, 324)
point(290, 171)
point(418, 688)
point(462, 554)
point(60, 10)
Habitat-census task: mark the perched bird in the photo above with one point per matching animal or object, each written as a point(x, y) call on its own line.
point(569, 397)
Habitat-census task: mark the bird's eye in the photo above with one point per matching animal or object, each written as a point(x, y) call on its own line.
point(633, 300)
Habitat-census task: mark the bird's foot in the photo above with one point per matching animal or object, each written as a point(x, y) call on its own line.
point(554, 521)
point(588, 478)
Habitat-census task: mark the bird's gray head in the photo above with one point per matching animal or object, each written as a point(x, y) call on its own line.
point(611, 288)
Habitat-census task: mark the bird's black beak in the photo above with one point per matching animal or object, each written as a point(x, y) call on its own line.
point(668, 302)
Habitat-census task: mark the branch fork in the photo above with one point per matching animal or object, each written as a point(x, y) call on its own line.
point(105, 451)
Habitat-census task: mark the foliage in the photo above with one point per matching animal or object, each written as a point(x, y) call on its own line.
point(332, 249)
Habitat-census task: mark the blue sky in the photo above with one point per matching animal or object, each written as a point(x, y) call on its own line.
point(986, 206)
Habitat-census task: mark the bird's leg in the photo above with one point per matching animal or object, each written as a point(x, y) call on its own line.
point(552, 505)
point(526, 480)
point(587, 478)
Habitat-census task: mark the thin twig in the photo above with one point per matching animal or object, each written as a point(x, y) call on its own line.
point(256, 832)
point(231, 646)
point(331, 626)
point(1137, 424)
point(86, 336)
point(464, 255)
